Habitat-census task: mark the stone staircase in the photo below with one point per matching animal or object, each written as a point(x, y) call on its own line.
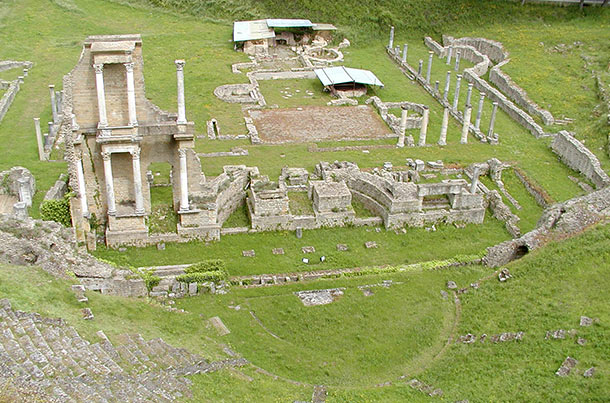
point(48, 356)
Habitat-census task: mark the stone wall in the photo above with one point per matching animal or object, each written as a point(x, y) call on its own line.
point(538, 193)
point(559, 221)
point(59, 189)
point(11, 87)
point(8, 97)
point(575, 155)
point(517, 94)
point(413, 122)
point(503, 213)
point(494, 51)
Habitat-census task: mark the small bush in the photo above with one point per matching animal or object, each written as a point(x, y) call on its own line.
point(202, 277)
point(57, 210)
point(150, 279)
point(206, 266)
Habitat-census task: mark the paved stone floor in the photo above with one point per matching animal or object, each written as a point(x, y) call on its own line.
point(319, 123)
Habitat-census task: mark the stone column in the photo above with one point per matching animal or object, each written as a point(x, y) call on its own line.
point(82, 190)
point(429, 70)
point(447, 82)
point(492, 121)
point(180, 77)
point(424, 127)
point(53, 102)
point(60, 102)
point(475, 180)
point(477, 122)
point(405, 48)
point(449, 51)
point(403, 126)
point(397, 51)
point(456, 96)
point(457, 60)
point(25, 194)
point(469, 93)
point(466, 126)
point(420, 67)
point(184, 188)
point(25, 72)
point(391, 43)
point(20, 210)
point(109, 183)
point(442, 141)
point(50, 126)
point(101, 96)
point(39, 139)
point(436, 86)
point(137, 181)
point(131, 95)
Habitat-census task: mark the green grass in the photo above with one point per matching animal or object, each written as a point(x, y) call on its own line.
point(284, 93)
point(33, 290)
point(163, 218)
point(360, 210)
point(300, 203)
point(239, 218)
point(416, 245)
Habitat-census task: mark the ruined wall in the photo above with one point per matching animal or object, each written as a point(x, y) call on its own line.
point(517, 94)
point(575, 155)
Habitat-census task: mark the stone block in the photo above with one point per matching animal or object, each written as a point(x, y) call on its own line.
point(248, 253)
point(278, 251)
point(193, 289)
point(370, 244)
point(342, 247)
point(308, 249)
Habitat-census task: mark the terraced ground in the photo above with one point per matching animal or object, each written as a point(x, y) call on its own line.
point(358, 348)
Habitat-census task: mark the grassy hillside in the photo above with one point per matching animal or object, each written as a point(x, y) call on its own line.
point(360, 341)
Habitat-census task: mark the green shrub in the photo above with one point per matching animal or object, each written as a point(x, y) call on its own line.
point(206, 266)
point(57, 210)
point(202, 277)
point(149, 278)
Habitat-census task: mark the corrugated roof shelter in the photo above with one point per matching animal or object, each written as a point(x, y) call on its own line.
point(251, 30)
point(332, 76)
point(288, 23)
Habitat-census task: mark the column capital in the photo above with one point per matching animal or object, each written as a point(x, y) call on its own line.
point(51, 86)
point(182, 152)
point(129, 66)
point(179, 64)
point(106, 156)
point(99, 68)
point(135, 154)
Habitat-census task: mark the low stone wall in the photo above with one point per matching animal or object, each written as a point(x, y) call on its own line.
point(575, 155)
point(394, 121)
point(517, 94)
point(538, 193)
point(481, 47)
point(59, 189)
point(493, 49)
point(557, 222)
point(8, 97)
point(503, 213)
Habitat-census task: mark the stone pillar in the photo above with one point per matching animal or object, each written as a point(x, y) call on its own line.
point(436, 86)
point(492, 121)
point(82, 190)
point(424, 127)
point(184, 188)
point(403, 126)
point(456, 96)
point(447, 82)
point(50, 126)
point(25, 194)
point(469, 93)
point(109, 183)
point(477, 122)
point(397, 51)
point(466, 126)
point(45, 138)
point(20, 210)
point(457, 60)
point(25, 72)
point(391, 43)
point(53, 102)
point(405, 48)
point(429, 70)
point(180, 78)
point(442, 141)
point(39, 139)
point(131, 95)
point(475, 180)
point(449, 52)
point(420, 67)
point(137, 181)
point(101, 96)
